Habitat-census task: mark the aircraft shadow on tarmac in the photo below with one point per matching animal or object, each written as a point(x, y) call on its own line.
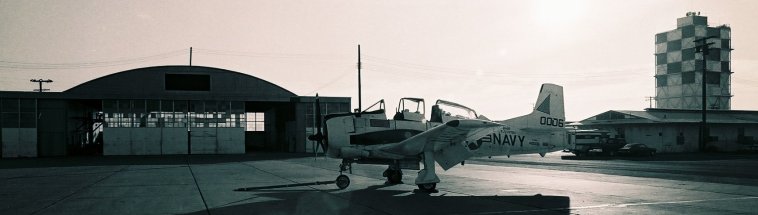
point(375, 200)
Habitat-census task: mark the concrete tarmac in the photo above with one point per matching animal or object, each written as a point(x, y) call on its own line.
point(281, 183)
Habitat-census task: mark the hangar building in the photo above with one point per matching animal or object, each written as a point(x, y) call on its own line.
point(158, 111)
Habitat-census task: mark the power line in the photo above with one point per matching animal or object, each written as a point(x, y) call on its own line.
point(83, 65)
point(333, 81)
point(414, 67)
point(393, 68)
point(297, 56)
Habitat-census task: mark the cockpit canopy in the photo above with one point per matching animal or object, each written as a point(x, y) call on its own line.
point(411, 109)
point(444, 111)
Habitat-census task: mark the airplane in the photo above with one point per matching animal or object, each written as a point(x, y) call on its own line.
point(453, 134)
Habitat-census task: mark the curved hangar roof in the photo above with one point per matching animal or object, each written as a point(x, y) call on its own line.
point(181, 82)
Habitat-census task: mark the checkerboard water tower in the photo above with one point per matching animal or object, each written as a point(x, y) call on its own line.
point(679, 67)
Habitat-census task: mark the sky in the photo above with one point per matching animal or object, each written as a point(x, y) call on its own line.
point(489, 55)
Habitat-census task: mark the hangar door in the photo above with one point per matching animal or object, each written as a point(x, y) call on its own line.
point(152, 127)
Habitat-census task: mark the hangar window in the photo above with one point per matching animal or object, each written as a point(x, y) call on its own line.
point(19, 113)
point(326, 108)
point(181, 118)
point(255, 121)
point(9, 114)
point(188, 82)
point(153, 112)
point(173, 113)
point(124, 113)
point(610, 115)
point(713, 138)
point(140, 117)
point(110, 108)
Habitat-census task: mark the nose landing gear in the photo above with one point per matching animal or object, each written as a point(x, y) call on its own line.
point(343, 181)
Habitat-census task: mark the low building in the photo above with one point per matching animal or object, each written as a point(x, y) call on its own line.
point(674, 130)
point(157, 111)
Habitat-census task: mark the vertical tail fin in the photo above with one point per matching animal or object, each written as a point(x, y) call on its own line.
point(550, 102)
point(548, 113)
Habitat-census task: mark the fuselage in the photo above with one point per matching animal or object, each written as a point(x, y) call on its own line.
point(509, 140)
point(348, 134)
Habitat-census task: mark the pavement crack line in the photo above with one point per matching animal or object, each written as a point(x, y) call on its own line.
point(79, 190)
point(56, 175)
point(270, 173)
point(207, 211)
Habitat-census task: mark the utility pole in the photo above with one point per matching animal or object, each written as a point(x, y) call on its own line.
point(650, 99)
point(359, 79)
point(703, 48)
point(40, 81)
point(189, 129)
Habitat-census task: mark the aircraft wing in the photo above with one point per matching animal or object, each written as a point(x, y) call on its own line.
point(445, 140)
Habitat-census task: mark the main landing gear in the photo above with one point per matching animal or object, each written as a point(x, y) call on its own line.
point(429, 187)
point(427, 179)
point(394, 174)
point(342, 180)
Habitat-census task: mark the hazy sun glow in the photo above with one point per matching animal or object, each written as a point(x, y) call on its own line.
point(491, 56)
point(557, 13)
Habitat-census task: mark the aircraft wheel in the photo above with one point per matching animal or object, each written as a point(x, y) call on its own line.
point(395, 176)
point(430, 187)
point(343, 181)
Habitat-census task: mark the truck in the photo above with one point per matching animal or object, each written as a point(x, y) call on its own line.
point(594, 142)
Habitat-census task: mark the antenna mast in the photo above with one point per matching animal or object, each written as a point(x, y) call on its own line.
point(359, 78)
point(40, 81)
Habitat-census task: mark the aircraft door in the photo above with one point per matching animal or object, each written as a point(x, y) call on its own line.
point(359, 124)
point(349, 123)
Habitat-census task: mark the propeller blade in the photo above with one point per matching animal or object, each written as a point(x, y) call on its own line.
point(319, 136)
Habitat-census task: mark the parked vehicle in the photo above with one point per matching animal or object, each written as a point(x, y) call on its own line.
point(592, 142)
point(636, 149)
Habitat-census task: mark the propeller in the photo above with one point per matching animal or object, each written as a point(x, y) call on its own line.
point(319, 135)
